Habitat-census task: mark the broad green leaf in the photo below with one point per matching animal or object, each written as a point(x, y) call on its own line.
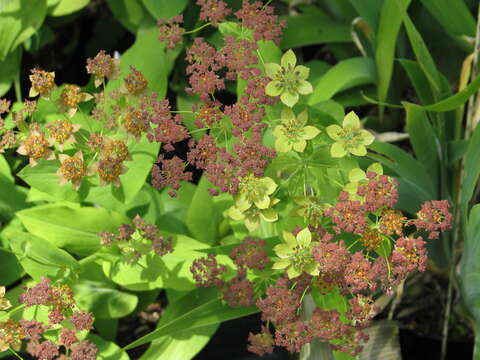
point(66, 7)
point(107, 350)
point(144, 154)
point(453, 15)
point(152, 272)
point(202, 219)
point(19, 20)
point(183, 345)
point(73, 229)
point(5, 168)
point(148, 55)
point(12, 270)
point(175, 210)
point(386, 41)
point(208, 313)
point(306, 29)
point(369, 11)
point(331, 301)
point(9, 70)
point(165, 9)
point(12, 198)
point(470, 271)
point(422, 53)
point(408, 168)
point(43, 177)
point(103, 299)
point(346, 74)
point(419, 80)
point(130, 13)
point(471, 170)
point(454, 101)
point(39, 257)
point(424, 141)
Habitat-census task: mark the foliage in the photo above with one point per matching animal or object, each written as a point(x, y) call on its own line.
point(220, 167)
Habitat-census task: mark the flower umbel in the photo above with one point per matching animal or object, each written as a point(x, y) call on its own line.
point(296, 254)
point(288, 81)
point(349, 138)
point(293, 132)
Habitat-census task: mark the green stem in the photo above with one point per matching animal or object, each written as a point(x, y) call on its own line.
point(197, 29)
point(11, 312)
point(15, 353)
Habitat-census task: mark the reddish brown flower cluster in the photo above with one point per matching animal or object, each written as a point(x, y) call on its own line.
point(251, 254)
point(59, 299)
point(206, 271)
point(137, 240)
point(171, 32)
point(434, 217)
point(214, 11)
point(261, 20)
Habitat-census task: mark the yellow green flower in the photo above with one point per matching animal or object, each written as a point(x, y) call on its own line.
point(293, 133)
point(4, 303)
point(252, 216)
point(357, 177)
point(296, 254)
point(311, 208)
point(288, 80)
point(349, 138)
point(254, 191)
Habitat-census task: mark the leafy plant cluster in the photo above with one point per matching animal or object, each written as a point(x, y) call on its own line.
point(299, 201)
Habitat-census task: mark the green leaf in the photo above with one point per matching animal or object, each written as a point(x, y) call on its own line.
point(43, 177)
point(12, 198)
point(346, 74)
point(12, 270)
point(408, 168)
point(183, 345)
point(208, 313)
point(454, 101)
point(148, 55)
point(422, 53)
point(152, 272)
point(107, 350)
point(202, 219)
point(470, 271)
point(471, 170)
point(306, 29)
point(103, 299)
point(175, 209)
point(40, 257)
point(419, 80)
point(369, 11)
point(73, 229)
point(66, 7)
point(331, 301)
point(424, 141)
point(130, 13)
point(9, 70)
point(453, 15)
point(386, 41)
point(144, 154)
point(165, 9)
point(19, 20)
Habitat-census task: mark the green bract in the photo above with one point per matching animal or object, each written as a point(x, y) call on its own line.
point(293, 133)
point(349, 138)
point(253, 215)
point(288, 80)
point(296, 254)
point(357, 176)
point(254, 191)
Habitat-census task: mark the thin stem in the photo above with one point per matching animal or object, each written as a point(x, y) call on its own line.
point(13, 311)
point(197, 29)
point(15, 353)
